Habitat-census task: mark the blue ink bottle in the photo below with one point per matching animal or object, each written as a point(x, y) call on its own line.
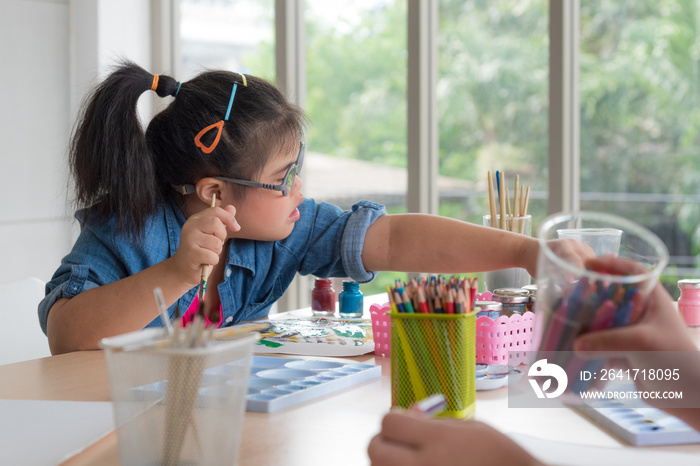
point(350, 300)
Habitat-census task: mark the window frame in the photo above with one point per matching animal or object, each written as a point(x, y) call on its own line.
point(422, 143)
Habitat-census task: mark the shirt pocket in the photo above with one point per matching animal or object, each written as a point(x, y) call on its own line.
point(259, 305)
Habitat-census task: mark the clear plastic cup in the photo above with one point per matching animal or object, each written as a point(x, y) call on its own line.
point(572, 300)
point(178, 405)
point(603, 241)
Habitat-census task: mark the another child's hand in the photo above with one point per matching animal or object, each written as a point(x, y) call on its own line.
point(659, 329)
point(410, 439)
point(202, 240)
point(658, 343)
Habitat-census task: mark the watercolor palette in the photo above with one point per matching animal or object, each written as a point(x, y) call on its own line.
point(638, 423)
point(278, 382)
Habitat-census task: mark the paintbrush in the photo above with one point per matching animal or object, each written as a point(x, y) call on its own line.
point(205, 273)
point(492, 201)
point(231, 333)
point(163, 308)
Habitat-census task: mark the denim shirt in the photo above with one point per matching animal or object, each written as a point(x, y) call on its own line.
point(326, 242)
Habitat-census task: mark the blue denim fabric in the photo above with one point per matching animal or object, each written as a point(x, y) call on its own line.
point(326, 242)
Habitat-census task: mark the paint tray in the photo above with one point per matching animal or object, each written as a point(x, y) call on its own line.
point(637, 423)
point(276, 383)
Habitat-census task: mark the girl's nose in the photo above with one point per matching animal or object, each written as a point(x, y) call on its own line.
point(297, 183)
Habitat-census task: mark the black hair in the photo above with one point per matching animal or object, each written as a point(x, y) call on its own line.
point(125, 173)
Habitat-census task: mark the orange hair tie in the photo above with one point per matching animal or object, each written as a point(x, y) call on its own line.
point(219, 125)
point(154, 86)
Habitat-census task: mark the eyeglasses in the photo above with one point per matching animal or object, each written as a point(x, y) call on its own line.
point(287, 183)
point(285, 187)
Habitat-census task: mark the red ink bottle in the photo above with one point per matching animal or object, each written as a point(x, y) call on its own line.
point(323, 298)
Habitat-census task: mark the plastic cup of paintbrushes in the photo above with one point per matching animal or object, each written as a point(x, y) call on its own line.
point(434, 353)
point(572, 300)
point(174, 404)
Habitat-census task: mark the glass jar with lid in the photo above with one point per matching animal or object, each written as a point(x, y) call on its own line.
point(513, 300)
point(490, 309)
point(532, 289)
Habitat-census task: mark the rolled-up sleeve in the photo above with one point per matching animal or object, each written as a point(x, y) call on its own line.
point(69, 281)
point(99, 256)
point(363, 215)
point(328, 241)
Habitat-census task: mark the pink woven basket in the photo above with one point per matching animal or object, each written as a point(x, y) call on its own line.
point(505, 340)
point(381, 329)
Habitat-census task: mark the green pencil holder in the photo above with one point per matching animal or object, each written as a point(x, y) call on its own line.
point(434, 353)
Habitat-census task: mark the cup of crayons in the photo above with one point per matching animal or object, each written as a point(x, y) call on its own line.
point(433, 347)
point(572, 300)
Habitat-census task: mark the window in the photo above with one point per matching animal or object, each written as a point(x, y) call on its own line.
point(492, 102)
point(637, 88)
point(639, 121)
point(235, 35)
point(356, 102)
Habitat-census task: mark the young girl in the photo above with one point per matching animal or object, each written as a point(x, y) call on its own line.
point(215, 181)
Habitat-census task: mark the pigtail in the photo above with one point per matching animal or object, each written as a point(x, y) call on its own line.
point(110, 160)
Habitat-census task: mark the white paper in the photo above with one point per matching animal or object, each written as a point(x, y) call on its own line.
point(42, 433)
point(568, 454)
point(317, 336)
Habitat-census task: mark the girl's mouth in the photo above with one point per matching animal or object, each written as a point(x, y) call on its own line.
point(294, 216)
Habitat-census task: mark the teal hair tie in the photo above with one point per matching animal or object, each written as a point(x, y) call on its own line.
point(230, 102)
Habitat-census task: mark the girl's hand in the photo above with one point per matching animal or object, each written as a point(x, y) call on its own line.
point(572, 251)
point(408, 439)
point(202, 240)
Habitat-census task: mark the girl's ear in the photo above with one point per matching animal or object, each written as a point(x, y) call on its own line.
point(207, 187)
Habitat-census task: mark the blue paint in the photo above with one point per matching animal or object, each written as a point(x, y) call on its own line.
point(350, 300)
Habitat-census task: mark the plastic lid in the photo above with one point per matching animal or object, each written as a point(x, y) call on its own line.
point(510, 295)
point(488, 305)
point(689, 283)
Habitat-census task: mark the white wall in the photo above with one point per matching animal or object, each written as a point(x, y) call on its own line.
point(34, 128)
point(50, 51)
